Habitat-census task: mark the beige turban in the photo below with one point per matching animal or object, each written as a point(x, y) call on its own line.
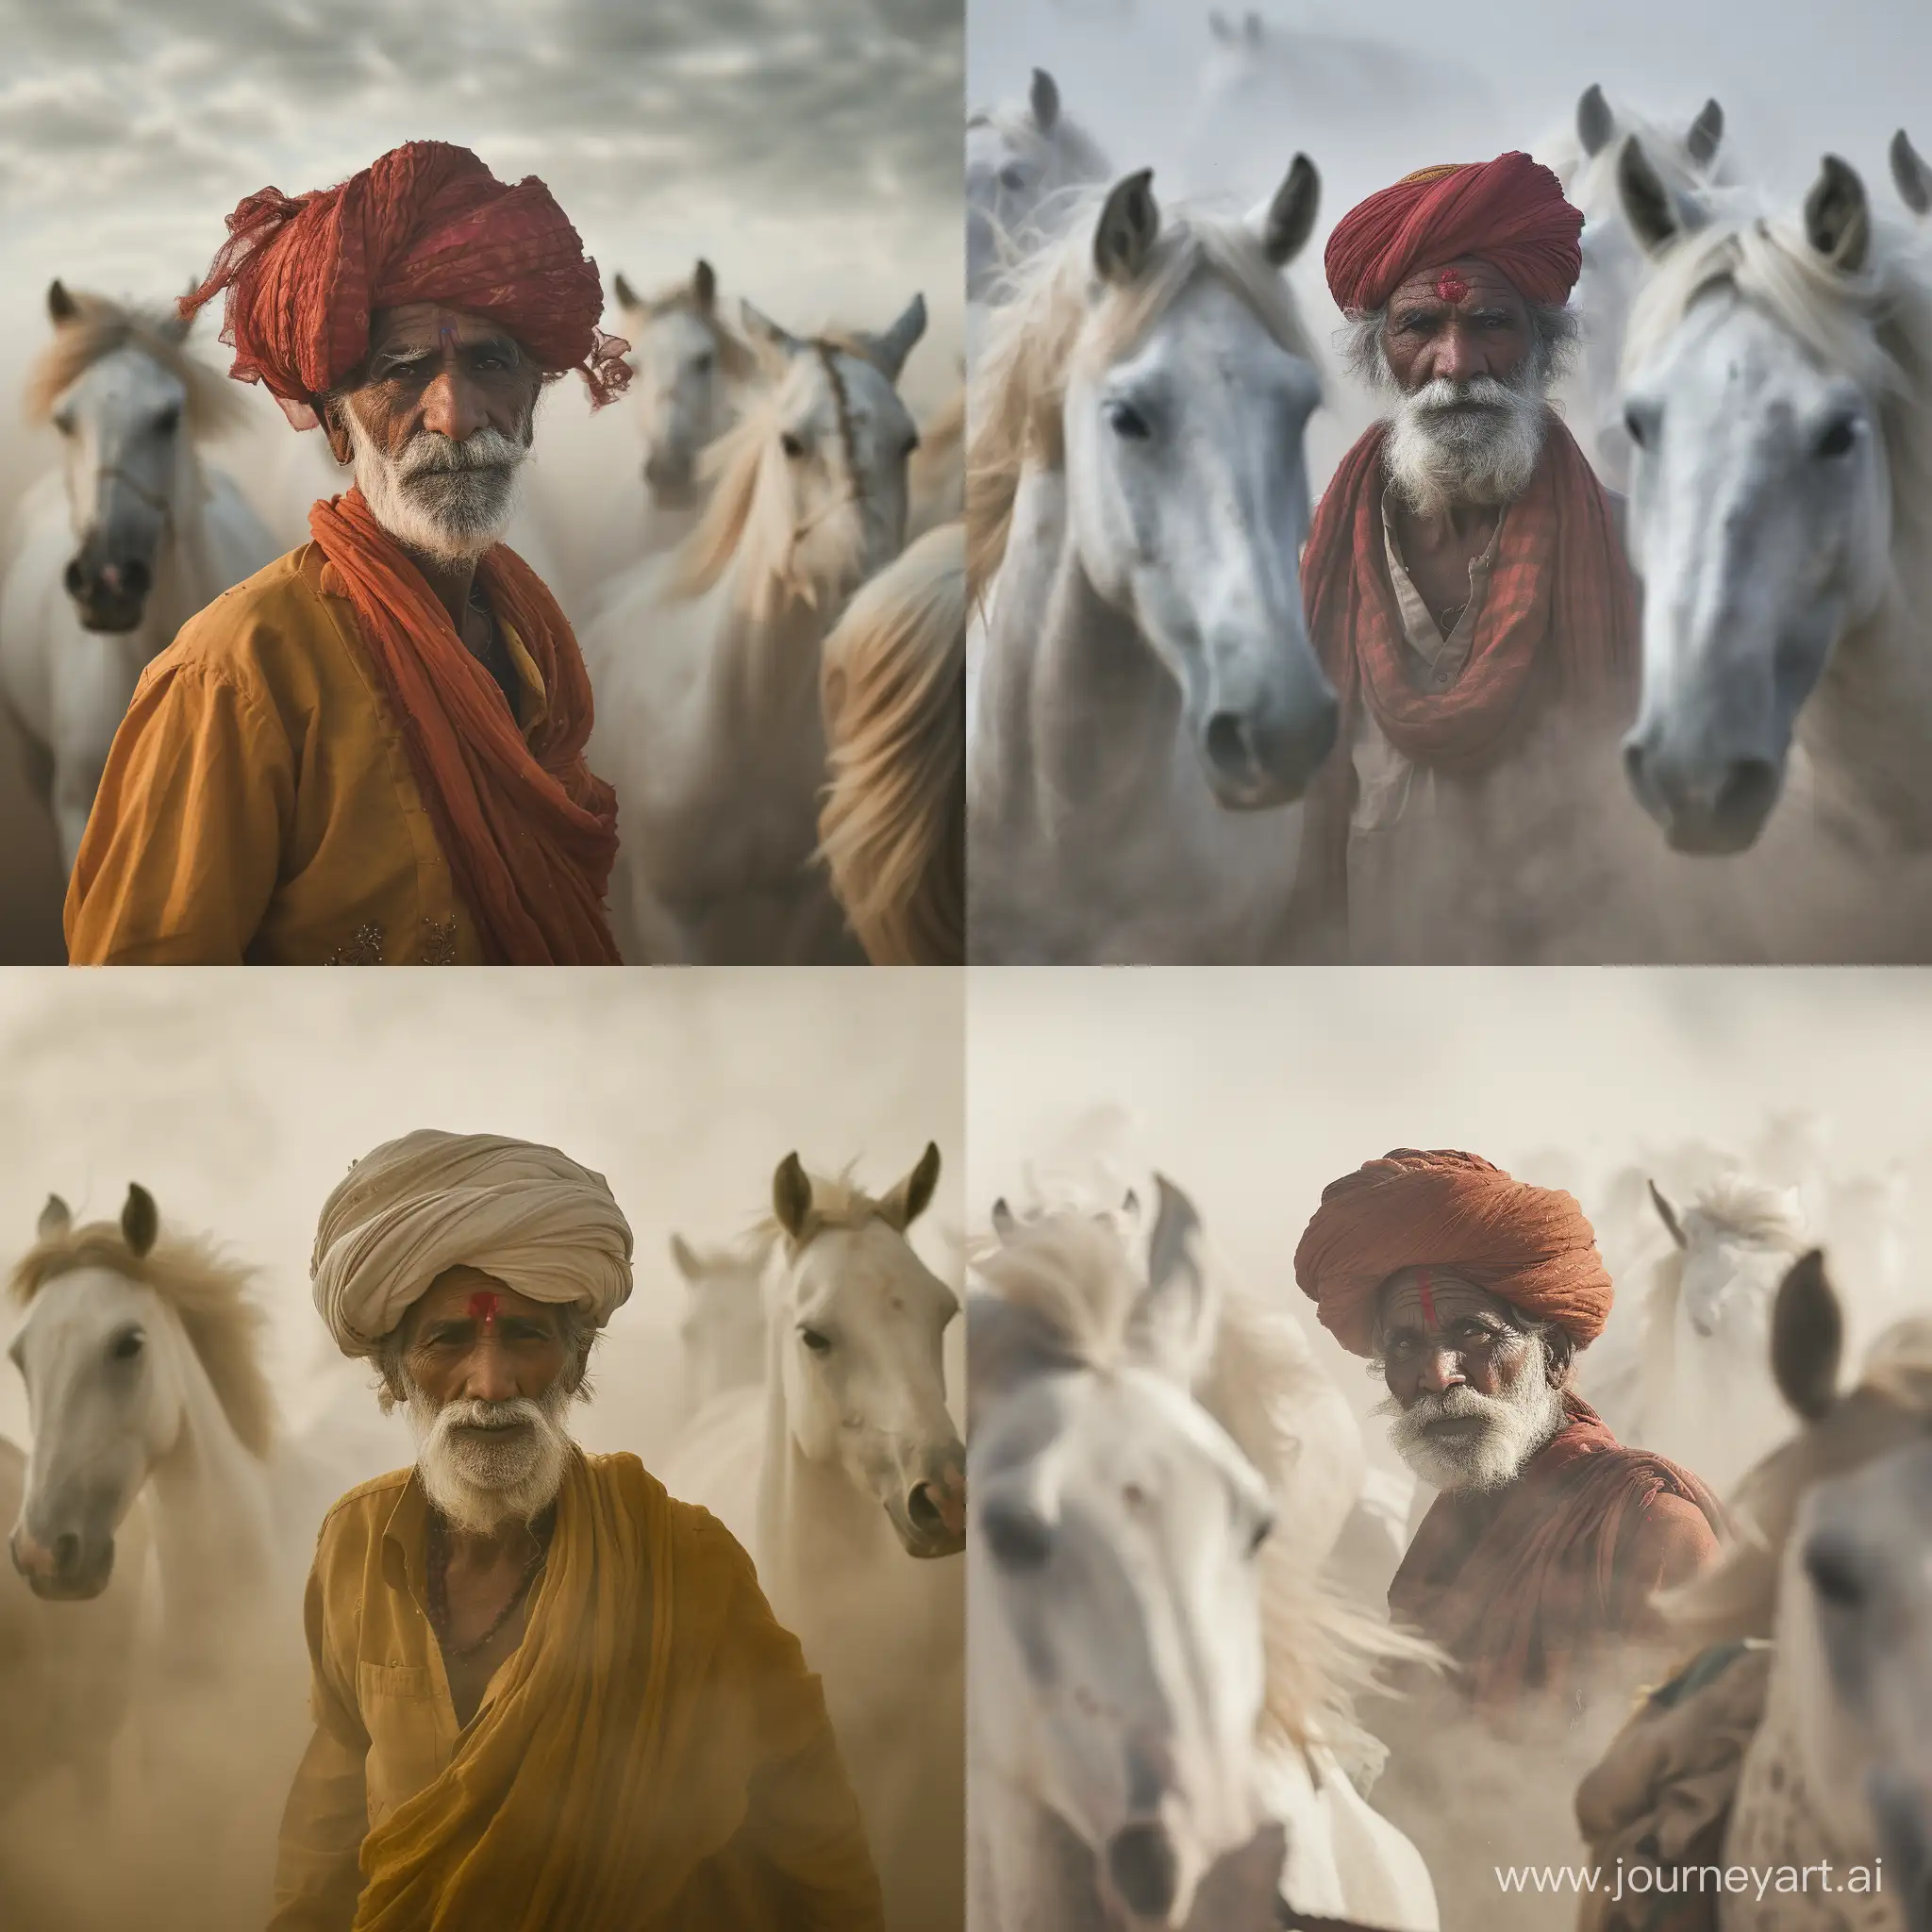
point(432, 1201)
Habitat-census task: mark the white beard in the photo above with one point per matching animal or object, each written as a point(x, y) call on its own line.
point(480, 1481)
point(1517, 1425)
point(447, 501)
point(1441, 457)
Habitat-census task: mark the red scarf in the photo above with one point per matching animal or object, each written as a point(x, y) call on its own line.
point(1561, 606)
point(1522, 1588)
point(529, 833)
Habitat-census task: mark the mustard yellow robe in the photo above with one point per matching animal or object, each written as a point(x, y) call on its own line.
point(257, 804)
point(653, 1756)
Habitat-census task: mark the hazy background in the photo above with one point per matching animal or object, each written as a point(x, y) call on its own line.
point(240, 1099)
point(810, 149)
point(1255, 1089)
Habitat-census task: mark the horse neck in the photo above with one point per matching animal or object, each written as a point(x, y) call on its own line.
point(763, 671)
point(1071, 692)
point(214, 1534)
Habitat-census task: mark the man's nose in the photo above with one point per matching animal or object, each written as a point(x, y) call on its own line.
point(1441, 1370)
point(452, 407)
point(1459, 356)
point(491, 1376)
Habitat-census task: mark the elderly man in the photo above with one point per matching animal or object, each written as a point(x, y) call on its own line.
point(372, 753)
point(1472, 1293)
point(1464, 579)
point(546, 1696)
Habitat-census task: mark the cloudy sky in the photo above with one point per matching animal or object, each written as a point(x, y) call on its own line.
point(239, 1100)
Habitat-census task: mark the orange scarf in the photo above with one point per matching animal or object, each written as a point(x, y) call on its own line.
point(529, 833)
point(1560, 615)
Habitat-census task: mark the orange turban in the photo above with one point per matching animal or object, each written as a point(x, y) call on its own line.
point(426, 223)
point(1531, 1246)
point(1509, 212)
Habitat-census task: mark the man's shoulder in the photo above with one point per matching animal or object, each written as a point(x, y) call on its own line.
point(360, 1513)
point(252, 634)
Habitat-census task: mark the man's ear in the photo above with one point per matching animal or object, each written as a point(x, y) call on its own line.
point(335, 425)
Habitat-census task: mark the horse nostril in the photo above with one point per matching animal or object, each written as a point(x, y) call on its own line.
point(66, 1554)
point(74, 577)
point(1831, 1561)
point(1145, 1872)
point(1746, 796)
point(135, 578)
point(1226, 740)
point(924, 1511)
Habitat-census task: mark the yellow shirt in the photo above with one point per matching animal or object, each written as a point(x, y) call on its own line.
point(386, 1730)
point(258, 805)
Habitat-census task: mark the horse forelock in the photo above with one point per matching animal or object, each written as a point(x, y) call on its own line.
point(1875, 326)
point(103, 328)
point(208, 1294)
point(1050, 321)
point(1737, 1207)
point(736, 358)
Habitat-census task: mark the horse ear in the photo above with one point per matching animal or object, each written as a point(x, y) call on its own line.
point(1003, 1220)
point(1706, 134)
point(890, 350)
point(61, 307)
point(1130, 1204)
point(791, 1195)
point(1596, 124)
point(1044, 98)
point(140, 1220)
point(1128, 228)
point(1220, 26)
point(1808, 1335)
point(55, 1219)
point(1289, 220)
point(175, 326)
point(764, 332)
point(1667, 1214)
point(1910, 174)
point(1251, 30)
point(703, 286)
point(1657, 216)
point(685, 1260)
point(911, 1196)
point(1837, 216)
point(1173, 1321)
point(626, 296)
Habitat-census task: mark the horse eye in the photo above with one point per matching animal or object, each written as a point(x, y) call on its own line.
point(702, 363)
point(1838, 438)
point(790, 444)
point(1016, 1539)
point(819, 1344)
point(1123, 420)
point(124, 1348)
point(1633, 424)
point(65, 423)
point(1263, 1530)
point(1013, 179)
point(912, 442)
point(168, 422)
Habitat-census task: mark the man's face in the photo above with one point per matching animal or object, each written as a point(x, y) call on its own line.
point(438, 425)
point(1470, 1386)
point(1455, 322)
point(489, 1375)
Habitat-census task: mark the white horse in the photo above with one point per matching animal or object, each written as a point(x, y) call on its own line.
point(1023, 158)
point(846, 1477)
point(118, 550)
point(690, 365)
point(705, 663)
point(66, 1666)
point(1911, 175)
point(1833, 1573)
point(723, 1325)
point(1778, 385)
point(1149, 706)
point(1705, 1398)
point(893, 826)
point(1152, 1702)
point(1585, 160)
point(140, 1357)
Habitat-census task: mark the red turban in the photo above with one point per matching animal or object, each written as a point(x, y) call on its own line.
point(426, 223)
point(1529, 1245)
point(1509, 212)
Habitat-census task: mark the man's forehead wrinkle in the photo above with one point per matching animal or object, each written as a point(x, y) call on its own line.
point(1403, 1303)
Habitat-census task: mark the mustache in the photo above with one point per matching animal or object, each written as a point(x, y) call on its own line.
point(1460, 1404)
point(430, 453)
point(1478, 392)
point(468, 1412)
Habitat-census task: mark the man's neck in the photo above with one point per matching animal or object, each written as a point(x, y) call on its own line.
point(451, 582)
point(1457, 527)
point(510, 1543)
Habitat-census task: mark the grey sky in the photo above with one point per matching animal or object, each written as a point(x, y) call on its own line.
point(810, 147)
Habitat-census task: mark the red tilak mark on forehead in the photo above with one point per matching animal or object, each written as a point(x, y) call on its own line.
point(1422, 1286)
point(1450, 286)
point(483, 1309)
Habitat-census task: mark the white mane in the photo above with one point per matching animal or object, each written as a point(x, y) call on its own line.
point(1737, 1206)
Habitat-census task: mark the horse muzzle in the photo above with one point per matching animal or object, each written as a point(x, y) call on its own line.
point(65, 1572)
point(932, 1520)
point(108, 596)
point(671, 477)
point(1256, 761)
point(1708, 804)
